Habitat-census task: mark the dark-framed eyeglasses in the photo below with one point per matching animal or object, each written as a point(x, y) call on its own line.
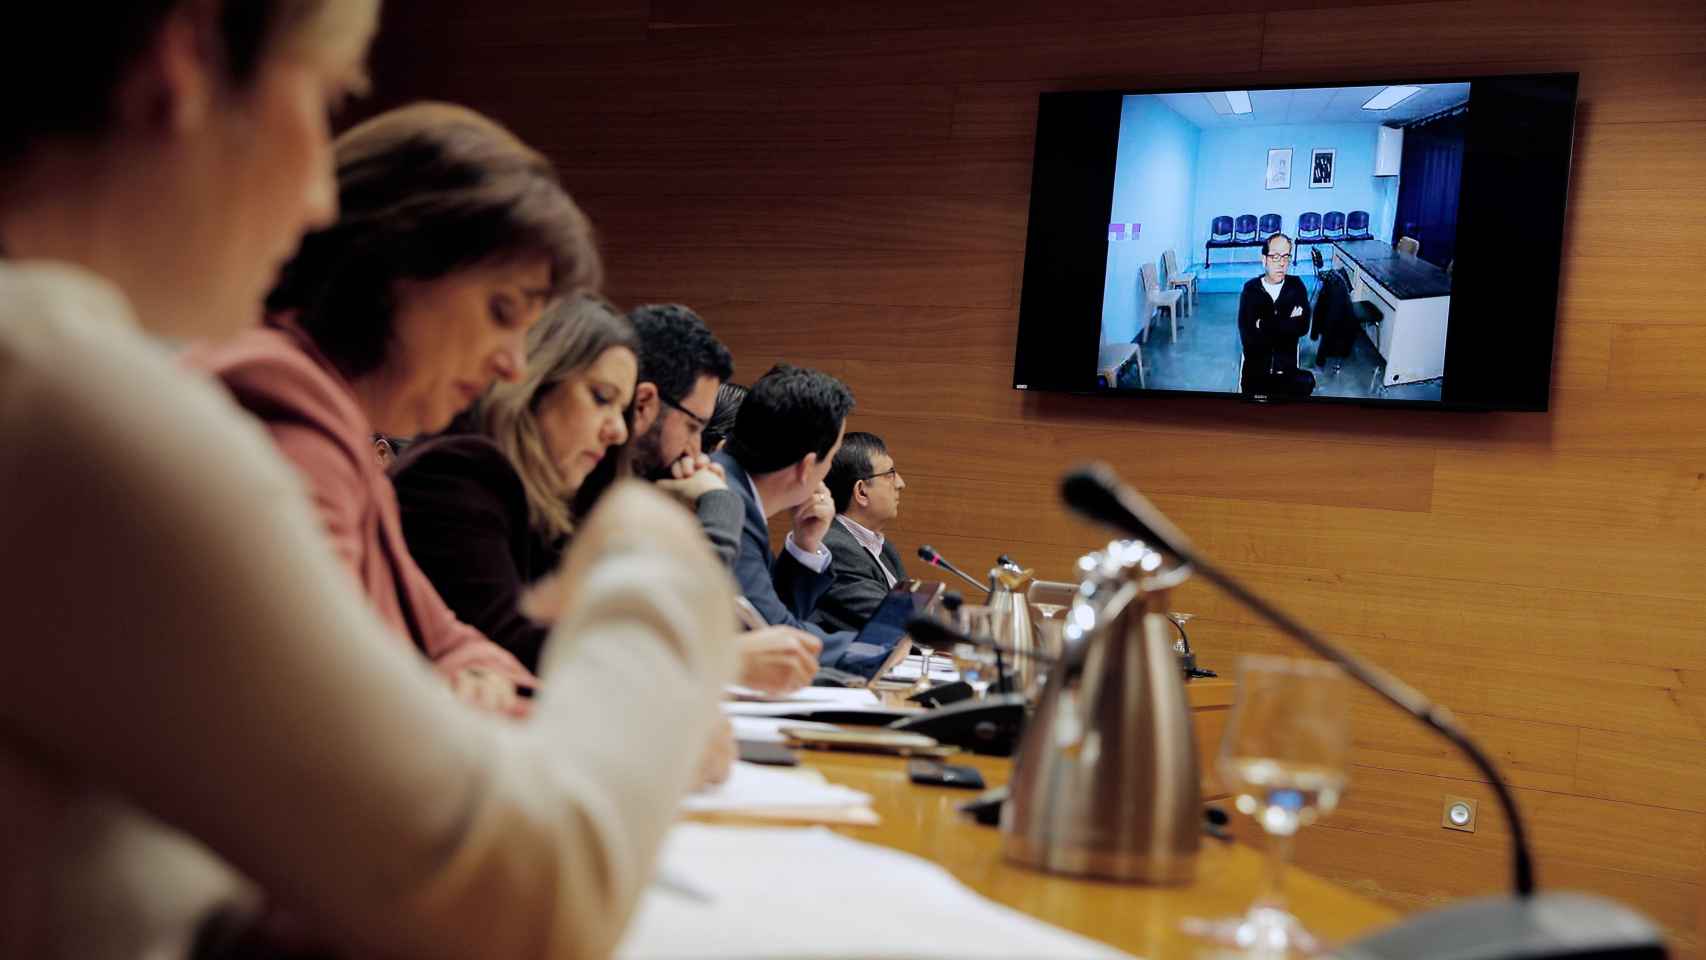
point(1281, 257)
point(890, 472)
point(697, 422)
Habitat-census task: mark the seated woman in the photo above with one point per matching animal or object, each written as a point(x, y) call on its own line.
point(206, 714)
point(489, 507)
point(452, 237)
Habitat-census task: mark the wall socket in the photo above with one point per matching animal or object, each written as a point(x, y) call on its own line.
point(1459, 814)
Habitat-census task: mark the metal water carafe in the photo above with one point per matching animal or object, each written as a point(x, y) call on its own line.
point(1010, 622)
point(1106, 782)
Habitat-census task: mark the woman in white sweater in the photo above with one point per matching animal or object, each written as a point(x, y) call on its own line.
point(198, 724)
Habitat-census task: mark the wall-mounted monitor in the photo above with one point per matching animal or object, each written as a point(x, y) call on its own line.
point(1390, 243)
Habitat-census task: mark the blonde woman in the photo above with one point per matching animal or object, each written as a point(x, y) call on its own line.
point(489, 507)
point(213, 717)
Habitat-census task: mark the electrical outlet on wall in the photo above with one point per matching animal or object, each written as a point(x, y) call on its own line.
point(1459, 814)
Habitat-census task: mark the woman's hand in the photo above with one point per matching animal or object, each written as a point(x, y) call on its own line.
point(482, 688)
point(692, 477)
point(719, 756)
point(777, 660)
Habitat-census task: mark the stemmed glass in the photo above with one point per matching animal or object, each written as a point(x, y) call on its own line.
point(1284, 757)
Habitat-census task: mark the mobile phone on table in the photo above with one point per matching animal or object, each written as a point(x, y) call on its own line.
point(767, 752)
point(938, 774)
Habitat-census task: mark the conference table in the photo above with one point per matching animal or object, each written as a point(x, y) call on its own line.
point(1143, 920)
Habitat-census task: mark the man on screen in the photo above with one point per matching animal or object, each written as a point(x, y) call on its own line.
point(1273, 312)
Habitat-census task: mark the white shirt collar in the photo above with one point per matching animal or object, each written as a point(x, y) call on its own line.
point(869, 539)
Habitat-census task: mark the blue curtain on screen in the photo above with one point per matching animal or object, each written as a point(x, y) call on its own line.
point(1430, 178)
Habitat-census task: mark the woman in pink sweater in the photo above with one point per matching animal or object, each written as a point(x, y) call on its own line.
point(452, 238)
point(206, 716)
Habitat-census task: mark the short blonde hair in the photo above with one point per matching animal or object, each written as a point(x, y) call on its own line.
point(568, 339)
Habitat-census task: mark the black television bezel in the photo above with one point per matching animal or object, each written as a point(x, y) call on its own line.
point(1072, 175)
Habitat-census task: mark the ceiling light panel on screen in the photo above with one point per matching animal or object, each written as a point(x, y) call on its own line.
point(1229, 101)
point(1390, 97)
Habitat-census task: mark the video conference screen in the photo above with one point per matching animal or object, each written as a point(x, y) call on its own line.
point(1389, 243)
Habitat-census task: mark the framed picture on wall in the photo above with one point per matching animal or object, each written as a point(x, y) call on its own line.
point(1321, 163)
point(1279, 169)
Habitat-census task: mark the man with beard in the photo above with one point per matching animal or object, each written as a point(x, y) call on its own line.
point(682, 365)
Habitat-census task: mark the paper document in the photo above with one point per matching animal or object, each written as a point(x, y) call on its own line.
point(754, 791)
point(844, 699)
point(753, 785)
point(769, 729)
point(942, 669)
point(815, 696)
point(770, 893)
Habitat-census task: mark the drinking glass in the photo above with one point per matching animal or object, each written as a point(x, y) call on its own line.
point(976, 663)
point(1283, 756)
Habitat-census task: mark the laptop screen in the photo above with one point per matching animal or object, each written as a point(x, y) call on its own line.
point(878, 640)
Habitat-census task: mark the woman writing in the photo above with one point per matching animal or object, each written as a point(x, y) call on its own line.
point(452, 238)
point(488, 508)
point(213, 713)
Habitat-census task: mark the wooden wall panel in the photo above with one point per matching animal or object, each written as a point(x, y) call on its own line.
point(846, 185)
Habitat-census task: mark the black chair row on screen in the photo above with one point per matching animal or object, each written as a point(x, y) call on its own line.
point(1250, 230)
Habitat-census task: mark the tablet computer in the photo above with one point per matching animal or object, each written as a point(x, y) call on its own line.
point(881, 643)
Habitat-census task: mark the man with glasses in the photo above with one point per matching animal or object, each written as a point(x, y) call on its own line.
point(865, 485)
point(1273, 312)
point(681, 367)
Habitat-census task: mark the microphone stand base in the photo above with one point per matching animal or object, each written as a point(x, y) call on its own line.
point(1545, 926)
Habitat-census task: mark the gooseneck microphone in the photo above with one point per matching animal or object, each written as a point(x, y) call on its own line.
point(1097, 493)
point(927, 629)
point(1528, 926)
point(928, 554)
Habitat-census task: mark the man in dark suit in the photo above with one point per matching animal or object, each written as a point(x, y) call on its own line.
point(785, 439)
point(866, 486)
point(1273, 312)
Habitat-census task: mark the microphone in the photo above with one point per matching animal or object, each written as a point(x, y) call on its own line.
point(1530, 926)
point(1097, 493)
point(928, 554)
point(934, 633)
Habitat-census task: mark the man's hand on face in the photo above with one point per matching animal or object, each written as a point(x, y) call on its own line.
point(812, 519)
point(691, 477)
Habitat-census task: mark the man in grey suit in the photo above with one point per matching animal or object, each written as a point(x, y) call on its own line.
point(866, 486)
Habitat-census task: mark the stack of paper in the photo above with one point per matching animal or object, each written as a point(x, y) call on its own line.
point(942, 669)
point(753, 791)
point(840, 699)
point(769, 729)
point(809, 696)
point(775, 893)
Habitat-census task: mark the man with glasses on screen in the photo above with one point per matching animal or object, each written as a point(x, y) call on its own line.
point(1273, 312)
point(865, 485)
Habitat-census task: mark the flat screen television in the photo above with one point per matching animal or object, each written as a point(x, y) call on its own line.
point(1389, 243)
